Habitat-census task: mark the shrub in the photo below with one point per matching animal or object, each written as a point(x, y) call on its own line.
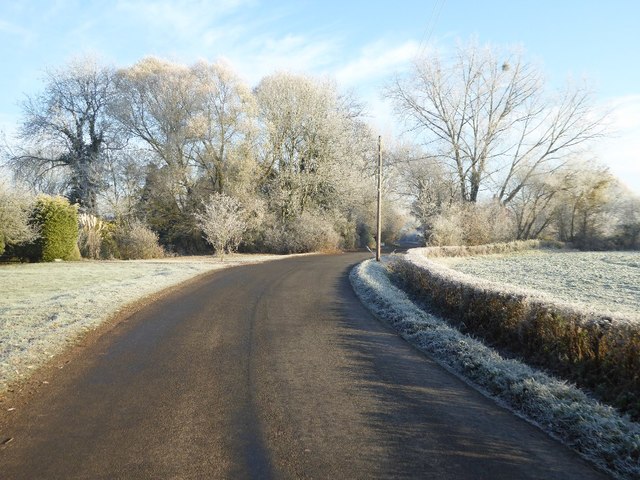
point(471, 224)
point(15, 210)
point(134, 240)
point(307, 233)
point(223, 223)
point(57, 221)
point(597, 352)
point(90, 235)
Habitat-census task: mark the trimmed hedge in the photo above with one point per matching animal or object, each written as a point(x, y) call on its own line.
point(597, 352)
point(57, 222)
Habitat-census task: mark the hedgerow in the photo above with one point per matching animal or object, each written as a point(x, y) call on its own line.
point(596, 431)
point(597, 351)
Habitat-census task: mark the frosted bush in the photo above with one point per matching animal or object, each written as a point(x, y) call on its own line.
point(223, 223)
point(307, 233)
point(90, 235)
point(471, 224)
point(15, 209)
point(136, 241)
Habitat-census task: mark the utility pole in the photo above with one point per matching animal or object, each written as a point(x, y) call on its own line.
point(379, 214)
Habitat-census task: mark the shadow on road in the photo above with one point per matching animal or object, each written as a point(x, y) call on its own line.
point(432, 424)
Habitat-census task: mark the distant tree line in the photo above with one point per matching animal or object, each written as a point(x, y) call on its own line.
point(162, 145)
point(497, 157)
point(161, 156)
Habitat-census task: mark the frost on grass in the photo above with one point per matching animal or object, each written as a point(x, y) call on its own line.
point(607, 281)
point(594, 430)
point(45, 307)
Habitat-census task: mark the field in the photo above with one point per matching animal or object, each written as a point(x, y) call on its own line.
point(602, 281)
point(44, 307)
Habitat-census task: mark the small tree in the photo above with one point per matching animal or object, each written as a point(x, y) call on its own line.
point(223, 223)
point(57, 220)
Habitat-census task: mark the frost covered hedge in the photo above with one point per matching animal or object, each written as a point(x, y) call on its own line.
point(594, 430)
point(598, 352)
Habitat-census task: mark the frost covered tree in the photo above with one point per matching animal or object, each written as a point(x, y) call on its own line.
point(155, 106)
point(15, 211)
point(582, 214)
point(312, 144)
point(67, 127)
point(195, 123)
point(223, 223)
point(487, 116)
point(223, 123)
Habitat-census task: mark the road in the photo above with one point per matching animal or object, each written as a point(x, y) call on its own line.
point(268, 371)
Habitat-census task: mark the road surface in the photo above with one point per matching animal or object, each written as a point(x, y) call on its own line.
point(268, 371)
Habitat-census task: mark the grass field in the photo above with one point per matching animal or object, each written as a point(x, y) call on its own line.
point(46, 306)
point(603, 281)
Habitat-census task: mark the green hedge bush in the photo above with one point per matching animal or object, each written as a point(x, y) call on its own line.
point(57, 222)
point(596, 352)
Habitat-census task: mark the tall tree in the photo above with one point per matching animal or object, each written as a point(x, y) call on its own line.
point(312, 143)
point(67, 127)
point(223, 123)
point(156, 105)
point(487, 116)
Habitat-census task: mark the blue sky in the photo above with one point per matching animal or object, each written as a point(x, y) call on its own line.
point(360, 43)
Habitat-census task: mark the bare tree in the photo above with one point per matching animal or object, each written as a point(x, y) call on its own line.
point(156, 104)
point(488, 118)
point(223, 122)
point(67, 127)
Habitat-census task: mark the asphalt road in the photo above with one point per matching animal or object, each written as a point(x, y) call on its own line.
point(268, 371)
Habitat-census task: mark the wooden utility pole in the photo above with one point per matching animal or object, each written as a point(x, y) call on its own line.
point(379, 214)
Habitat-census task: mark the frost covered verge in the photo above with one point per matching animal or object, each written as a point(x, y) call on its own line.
point(607, 281)
point(597, 351)
point(594, 430)
point(45, 307)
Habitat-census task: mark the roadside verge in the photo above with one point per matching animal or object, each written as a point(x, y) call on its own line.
point(595, 431)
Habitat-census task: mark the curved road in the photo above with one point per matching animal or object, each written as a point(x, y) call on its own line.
point(269, 371)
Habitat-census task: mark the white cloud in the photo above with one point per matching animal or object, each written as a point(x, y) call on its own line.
point(377, 60)
point(621, 151)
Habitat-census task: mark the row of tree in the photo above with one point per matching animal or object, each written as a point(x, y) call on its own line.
point(192, 149)
point(161, 141)
point(500, 158)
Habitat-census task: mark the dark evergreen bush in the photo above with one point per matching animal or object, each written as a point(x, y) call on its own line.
point(57, 221)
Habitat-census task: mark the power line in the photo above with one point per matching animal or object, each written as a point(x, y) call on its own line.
point(430, 26)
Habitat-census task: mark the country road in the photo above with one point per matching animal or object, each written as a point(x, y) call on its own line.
point(268, 371)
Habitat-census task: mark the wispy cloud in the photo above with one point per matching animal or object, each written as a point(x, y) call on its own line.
point(183, 17)
point(377, 60)
point(25, 35)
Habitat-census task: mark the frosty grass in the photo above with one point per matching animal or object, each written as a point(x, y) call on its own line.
point(605, 281)
point(594, 430)
point(45, 307)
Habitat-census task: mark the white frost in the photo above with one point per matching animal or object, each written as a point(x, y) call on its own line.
point(594, 430)
point(44, 307)
point(607, 281)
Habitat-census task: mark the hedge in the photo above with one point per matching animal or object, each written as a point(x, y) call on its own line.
point(598, 352)
point(57, 222)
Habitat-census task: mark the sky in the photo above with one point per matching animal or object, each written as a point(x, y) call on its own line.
point(360, 44)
